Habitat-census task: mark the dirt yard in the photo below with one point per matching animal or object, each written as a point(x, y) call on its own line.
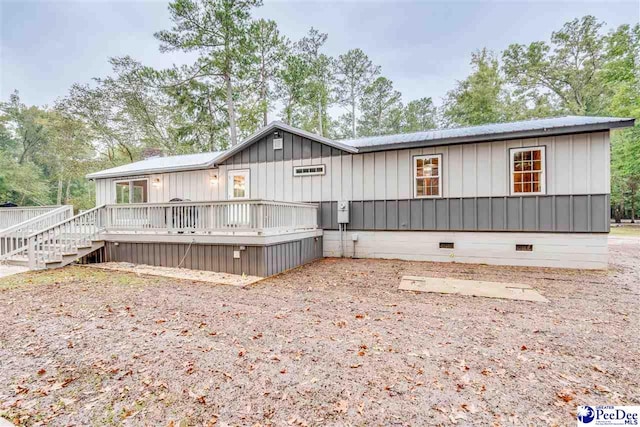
point(332, 343)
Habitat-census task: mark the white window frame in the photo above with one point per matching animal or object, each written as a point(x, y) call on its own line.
point(297, 168)
point(247, 173)
point(543, 172)
point(130, 181)
point(415, 176)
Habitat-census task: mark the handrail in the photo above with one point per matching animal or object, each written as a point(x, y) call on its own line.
point(27, 222)
point(13, 240)
point(81, 214)
point(65, 237)
point(210, 202)
point(16, 215)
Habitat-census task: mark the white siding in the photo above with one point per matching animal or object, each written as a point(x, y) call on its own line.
point(576, 164)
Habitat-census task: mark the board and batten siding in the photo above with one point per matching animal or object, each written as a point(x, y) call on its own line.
point(575, 164)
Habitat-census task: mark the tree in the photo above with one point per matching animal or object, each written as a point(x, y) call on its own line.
point(320, 78)
point(355, 72)
point(291, 83)
point(419, 115)
point(218, 31)
point(27, 128)
point(569, 67)
point(270, 49)
point(381, 109)
point(479, 98)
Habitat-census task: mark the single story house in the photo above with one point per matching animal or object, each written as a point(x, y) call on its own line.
point(528, 193)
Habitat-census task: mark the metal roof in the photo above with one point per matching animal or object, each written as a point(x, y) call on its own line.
point(161, 164)
point(490, 132)
point(520, 129)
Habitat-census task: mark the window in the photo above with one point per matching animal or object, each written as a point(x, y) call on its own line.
point(308, 170)
point(427, 176)
point(527, 170)
point(238, 184)
point(135, 191)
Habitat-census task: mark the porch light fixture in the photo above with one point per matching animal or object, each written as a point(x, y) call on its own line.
point(213, 179)
point(156, 182)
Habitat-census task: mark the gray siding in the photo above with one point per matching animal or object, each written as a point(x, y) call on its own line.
point(578, 214)
point(254, 260)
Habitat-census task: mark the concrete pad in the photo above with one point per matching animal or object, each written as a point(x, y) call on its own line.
point(180, 273)
point(515, 291)
point(5, 423)
point(9, 270)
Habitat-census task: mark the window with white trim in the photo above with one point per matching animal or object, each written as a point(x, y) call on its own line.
point(133, 191)
point(427, 178)
point(528, 170)
point(308, 170)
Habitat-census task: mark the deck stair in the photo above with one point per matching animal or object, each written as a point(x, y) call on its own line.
point(54, 245)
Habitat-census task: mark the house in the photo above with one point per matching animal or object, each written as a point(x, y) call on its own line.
point(531, 193)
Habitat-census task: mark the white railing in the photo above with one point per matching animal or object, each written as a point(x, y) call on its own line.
point(14, 239)
point(222, 217)
point(13, 216)
point(66, 237)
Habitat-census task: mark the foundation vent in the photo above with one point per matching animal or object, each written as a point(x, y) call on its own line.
point(446, 245)
point(524, 248)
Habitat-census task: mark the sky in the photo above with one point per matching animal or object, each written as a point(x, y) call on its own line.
point(422, 46)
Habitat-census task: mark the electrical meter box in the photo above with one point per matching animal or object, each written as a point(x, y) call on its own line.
point(343, 212)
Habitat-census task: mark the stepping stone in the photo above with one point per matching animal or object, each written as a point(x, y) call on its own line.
point(515, 291)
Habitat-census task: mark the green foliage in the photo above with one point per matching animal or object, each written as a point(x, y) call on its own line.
point(420, 115)
point(480, 97)
point(381, 107)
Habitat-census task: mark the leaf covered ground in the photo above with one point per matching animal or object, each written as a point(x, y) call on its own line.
point(332, 343)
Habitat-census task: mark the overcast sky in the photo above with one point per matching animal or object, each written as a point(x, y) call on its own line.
point(423, 46)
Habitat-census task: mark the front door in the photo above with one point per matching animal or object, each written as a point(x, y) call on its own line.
point(238, 184)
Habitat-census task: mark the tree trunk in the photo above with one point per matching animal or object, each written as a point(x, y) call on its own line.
point(67, 196)
point(263, 95)
point(231, 111)
point(353, 118)
point(59, 196)
point(633, 208)
point(320, 131)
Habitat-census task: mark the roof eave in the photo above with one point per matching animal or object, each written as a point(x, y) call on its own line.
point(594, 127)
point(98, 175)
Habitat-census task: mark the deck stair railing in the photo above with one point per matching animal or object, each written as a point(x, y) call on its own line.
point(64, 238)
point(14, 216)
point(13, 240)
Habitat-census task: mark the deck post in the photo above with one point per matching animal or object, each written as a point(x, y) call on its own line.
point(31, 252)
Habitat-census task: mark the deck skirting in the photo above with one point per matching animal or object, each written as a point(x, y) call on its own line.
point(253, 259)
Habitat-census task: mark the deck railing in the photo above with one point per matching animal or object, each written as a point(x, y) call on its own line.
point(14, 239)
point(66, 237)
point(222, 217)
point(13, 216)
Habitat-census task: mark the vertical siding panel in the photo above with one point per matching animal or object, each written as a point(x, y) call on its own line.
point(562, 165)
point(335, 191)
point(279, 178)
point(391, 175)
point(357, 172)
point(321, 184)
point(599, 153)
point(456, 172)
point(297, 182)
point(346, 182)
point(287, 175)
point(271, 178)
point(404, 175)
point(580, 164)
point(379, 176)
point(483, 170)
point(468, 171)
point(369, 176)
point(499, 169)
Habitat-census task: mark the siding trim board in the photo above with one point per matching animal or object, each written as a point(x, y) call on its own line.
point(538, 214)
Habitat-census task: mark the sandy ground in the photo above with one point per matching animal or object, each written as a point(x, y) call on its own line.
point(332, 343)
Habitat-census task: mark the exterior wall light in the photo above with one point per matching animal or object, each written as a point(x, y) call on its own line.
point(213, 179)
point(156, 182)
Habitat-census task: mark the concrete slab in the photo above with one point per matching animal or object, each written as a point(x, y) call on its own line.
point(5, 423)
point(180, 273)
point(9, 270)
point(515, 291)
